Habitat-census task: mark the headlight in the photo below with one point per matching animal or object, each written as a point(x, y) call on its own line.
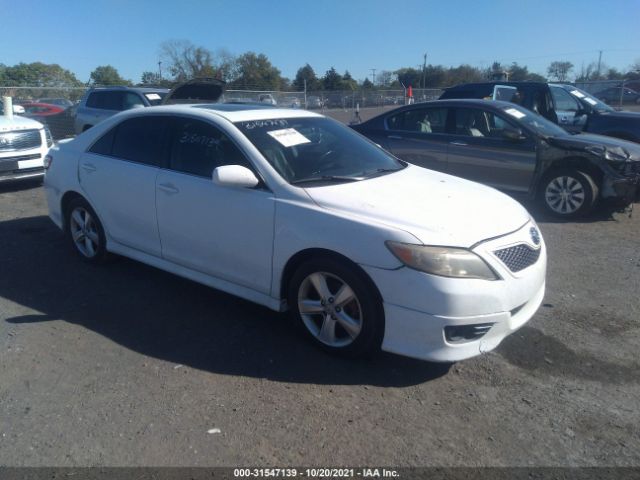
point(48, 136)
point(443, 261)
point(611, 154)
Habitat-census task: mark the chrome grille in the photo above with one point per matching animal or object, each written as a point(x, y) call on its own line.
point(22, 140)
point(518, 257)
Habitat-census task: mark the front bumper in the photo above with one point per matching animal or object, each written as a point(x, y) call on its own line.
point(418, 306)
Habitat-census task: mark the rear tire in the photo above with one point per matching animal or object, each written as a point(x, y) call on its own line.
point(85, 233)
point(567, 193)
point(337, 307)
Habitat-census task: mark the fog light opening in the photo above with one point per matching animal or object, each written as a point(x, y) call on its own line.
point(466, 333)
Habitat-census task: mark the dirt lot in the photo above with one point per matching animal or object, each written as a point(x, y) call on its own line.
point(128, 365)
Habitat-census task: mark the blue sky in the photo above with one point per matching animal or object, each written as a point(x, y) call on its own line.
point(357, 35)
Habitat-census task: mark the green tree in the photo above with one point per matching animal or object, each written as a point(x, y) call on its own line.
point(332, 80)
point(107, 75)
point(367, 84)
point(560, 70)
point(434, 76)
point(38, 74)
point(306, 73)
point(255, 71)
point(463, 74)
point(348, 82)
point(153, 78)
point(409, 76)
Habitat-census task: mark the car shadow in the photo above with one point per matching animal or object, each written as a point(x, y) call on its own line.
point(164, 316)
point(601, 213)
point(20, 185)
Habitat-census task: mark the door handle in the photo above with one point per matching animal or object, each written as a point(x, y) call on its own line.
point(459, 144)
point(168, 188)
point(89, 167)
point(394, 137)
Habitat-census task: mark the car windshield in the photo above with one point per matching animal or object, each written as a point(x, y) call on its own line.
point(588, 99)
point(317, 150)
point(535, 122)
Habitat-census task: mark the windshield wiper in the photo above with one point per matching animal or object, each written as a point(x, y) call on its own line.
point(380, 171)
point(327, 178)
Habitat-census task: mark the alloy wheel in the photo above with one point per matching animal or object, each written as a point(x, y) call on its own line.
point(84, 232)
point(564, 195)
point(330, 309)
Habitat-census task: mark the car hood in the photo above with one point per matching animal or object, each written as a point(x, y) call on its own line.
point(436, 208)
point(583, 141)
point(17, 123)
point(623, 114)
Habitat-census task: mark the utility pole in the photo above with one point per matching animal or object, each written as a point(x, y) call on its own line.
point(599, 61)
point(160, 70)
point(305, 93)
point(373, 76)
point(424, 71)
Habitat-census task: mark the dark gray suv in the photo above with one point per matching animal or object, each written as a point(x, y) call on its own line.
point(101, 103)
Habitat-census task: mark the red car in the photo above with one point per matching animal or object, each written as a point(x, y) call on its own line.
point(57, 118)
point(34, 109)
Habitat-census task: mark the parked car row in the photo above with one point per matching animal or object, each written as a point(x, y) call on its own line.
point(362, 246)
point(573, 109)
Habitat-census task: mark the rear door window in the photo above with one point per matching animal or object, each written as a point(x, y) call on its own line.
point(140, 140)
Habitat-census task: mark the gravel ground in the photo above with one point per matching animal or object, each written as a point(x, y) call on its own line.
point(126, 365)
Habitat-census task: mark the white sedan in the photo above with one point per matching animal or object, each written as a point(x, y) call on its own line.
point(297, 212)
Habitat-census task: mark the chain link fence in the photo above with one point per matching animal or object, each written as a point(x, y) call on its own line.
point(60, 119)
point(622, 94)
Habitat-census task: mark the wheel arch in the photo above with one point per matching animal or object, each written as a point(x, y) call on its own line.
point(302, 256)
point(66, 200)
point(578, 163)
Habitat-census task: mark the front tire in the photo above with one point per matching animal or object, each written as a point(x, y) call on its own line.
point(337, 307)
point(568, 193)
point(85, 233)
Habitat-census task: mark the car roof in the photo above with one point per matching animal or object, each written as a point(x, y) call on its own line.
point(507, 83)
point(460, 102)
point(130, 89)
point(233, 112)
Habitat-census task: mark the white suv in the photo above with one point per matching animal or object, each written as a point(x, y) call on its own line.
point(23, 146)
point(297, 212)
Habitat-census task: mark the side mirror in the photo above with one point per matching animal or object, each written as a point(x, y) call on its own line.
point(513, 134)
point(234, 176)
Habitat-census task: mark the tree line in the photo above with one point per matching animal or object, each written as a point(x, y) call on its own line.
point(181, 60)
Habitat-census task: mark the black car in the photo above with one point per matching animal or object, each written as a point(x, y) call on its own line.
point(568, 106)
point(618, 95)
point(511, 148)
